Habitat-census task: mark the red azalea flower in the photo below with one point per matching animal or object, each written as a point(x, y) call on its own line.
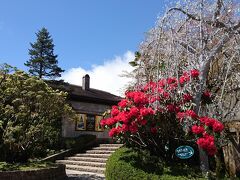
point(177, 109)
point(125, 128)
point(218, 127)
point(154, 99)
point(166, 95)
point(194, 73)
point(202, 143)
point(103, 122)
point(191, 114)
point(184, 78)
point(197, 129)
point(187, 97)
point(133, 128)
point(211, 148)
point(181, 116)
point(114, 112)
point(143, 122)
point(153, 130)
point(207, 94)
point(113, 132)
point(140, 98)
point(150, 86)
point(207, 144)
point(133, 112)
point(203, 119)
point(129, 94)
point(171, 108)
point(162, 83)
point(123, 117)
point(209, 122)
point(160, 90)
point(146, 111)
point(123, 103)
point(110, 121)
point(172, 87)
point(171, 80)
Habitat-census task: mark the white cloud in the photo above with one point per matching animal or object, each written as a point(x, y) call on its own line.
point(104, 77)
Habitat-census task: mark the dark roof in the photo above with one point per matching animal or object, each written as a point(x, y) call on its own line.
point(76, 93)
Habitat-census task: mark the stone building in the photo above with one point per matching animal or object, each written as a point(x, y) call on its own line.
point(90, 104)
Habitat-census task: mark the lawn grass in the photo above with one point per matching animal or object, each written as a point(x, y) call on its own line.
point(181, 172)
point(4, 166)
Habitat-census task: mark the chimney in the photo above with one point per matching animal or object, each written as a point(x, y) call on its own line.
point(86, 82)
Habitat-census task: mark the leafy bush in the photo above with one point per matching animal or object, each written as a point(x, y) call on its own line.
point(30, 116)
point(128, 164)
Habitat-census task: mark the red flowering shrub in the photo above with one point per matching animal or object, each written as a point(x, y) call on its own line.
point(197, 129)
point(194, 73)
point(161, 112)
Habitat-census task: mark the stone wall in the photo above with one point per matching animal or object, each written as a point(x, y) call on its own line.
point(53, 173)
point(69, 127)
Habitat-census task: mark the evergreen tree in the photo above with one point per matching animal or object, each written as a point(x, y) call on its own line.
point(43, 62)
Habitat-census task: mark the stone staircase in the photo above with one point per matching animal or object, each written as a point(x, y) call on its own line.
point(91, 162)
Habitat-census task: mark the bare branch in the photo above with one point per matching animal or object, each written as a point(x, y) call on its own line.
point(218, 9)
point(188, 47)
point(191, 16)
point(217, 24)
point(236, 26)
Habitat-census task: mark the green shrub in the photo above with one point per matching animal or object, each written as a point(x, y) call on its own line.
point(30, 116)
point(128, 164)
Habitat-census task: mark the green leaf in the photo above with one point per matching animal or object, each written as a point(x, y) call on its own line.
point(133, 63)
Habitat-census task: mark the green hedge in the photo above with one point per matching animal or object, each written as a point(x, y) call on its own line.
point(128, 164)
point(123, 164)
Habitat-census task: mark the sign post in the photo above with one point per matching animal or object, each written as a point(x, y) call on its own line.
point(184, 152)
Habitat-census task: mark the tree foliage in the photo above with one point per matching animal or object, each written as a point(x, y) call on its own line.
point(43, 62)
point(30, 115)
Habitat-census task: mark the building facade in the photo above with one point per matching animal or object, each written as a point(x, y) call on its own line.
point(90, 104)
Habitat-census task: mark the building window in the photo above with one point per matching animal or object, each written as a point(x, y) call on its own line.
point(97, 123)
point(81, 122)
point(89, 122)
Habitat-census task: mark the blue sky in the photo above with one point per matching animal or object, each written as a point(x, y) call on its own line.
point(86, 33)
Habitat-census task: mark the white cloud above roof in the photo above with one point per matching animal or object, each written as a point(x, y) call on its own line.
point(104, 77)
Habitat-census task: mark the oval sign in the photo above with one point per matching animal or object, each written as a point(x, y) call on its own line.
point(184, 152)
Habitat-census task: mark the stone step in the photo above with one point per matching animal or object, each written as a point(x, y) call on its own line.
point(93, 155)
point(110, 145)
point(87, 159)
point(82, 163)
point(82, 175)
point(94, 151)
point(98, 170)
point(105, 148)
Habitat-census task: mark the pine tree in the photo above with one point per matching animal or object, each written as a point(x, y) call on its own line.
point(43, 62)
